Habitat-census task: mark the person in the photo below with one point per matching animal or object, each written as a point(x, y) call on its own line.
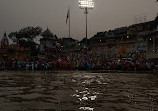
point(27, 66)
point(89, 66)
point(54, 64)
point(33, 66)
point(13, 65)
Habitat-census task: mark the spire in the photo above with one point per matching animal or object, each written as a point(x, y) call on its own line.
point(5, 41)
point(5, 34)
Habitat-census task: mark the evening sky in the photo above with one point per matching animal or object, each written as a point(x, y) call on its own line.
point(106, 15)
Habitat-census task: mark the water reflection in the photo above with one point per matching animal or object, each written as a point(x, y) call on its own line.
point(77, 91)
point(86, 108)
point(88, 93)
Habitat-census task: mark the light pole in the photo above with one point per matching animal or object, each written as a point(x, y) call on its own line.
point(86, 4)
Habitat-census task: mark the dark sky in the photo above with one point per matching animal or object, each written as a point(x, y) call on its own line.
point(107, 14)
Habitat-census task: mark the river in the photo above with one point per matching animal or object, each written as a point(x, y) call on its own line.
point(78, 91)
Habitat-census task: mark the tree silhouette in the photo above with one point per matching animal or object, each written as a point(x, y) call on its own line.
point(15, 36)
point(27, 34)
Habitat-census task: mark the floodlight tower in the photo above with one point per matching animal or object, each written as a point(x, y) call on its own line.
point(86, 4)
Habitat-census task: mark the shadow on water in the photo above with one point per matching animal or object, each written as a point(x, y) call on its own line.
point(78, 91)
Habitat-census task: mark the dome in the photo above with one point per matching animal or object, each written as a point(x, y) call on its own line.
point(47, 33)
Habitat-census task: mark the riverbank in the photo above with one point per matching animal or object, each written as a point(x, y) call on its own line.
point(120, 71)
point(89, 71)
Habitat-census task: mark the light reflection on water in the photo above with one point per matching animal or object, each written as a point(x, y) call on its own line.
point(77, 91)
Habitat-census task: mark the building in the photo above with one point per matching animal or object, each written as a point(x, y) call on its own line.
point(70, 44)
point(49, 45)
point(152, 47)
point(4, 41)
point(126, 44)
point(16, 51)
point(103, 42)
point(4, 47)
point(125, 40)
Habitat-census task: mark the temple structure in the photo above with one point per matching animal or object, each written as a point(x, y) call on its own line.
point(49, 44)
point(4, 46)
point(4, 41)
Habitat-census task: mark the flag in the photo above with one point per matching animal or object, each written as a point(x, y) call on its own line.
point(68, 15)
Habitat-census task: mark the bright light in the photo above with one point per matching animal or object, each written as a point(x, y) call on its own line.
point(119, 60)
point(86, 3)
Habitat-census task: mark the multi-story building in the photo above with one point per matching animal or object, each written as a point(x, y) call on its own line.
point(103, 42)
point(124, 40)
point(152, 46)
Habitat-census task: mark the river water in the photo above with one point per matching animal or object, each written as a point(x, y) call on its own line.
point(78, 91)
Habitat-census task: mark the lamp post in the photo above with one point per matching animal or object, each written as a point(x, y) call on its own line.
point(86, 4)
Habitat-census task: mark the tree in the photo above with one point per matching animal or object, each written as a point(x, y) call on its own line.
point(27, 33)
point(15, 36)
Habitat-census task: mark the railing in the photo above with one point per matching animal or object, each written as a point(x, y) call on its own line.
point(128, 41)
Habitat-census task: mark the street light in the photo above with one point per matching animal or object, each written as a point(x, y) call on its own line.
point(150, 39)
point(86, 4)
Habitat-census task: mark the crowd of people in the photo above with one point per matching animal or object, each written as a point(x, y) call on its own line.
point(135, 61)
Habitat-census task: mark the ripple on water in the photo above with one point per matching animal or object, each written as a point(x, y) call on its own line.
point(77, 91)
